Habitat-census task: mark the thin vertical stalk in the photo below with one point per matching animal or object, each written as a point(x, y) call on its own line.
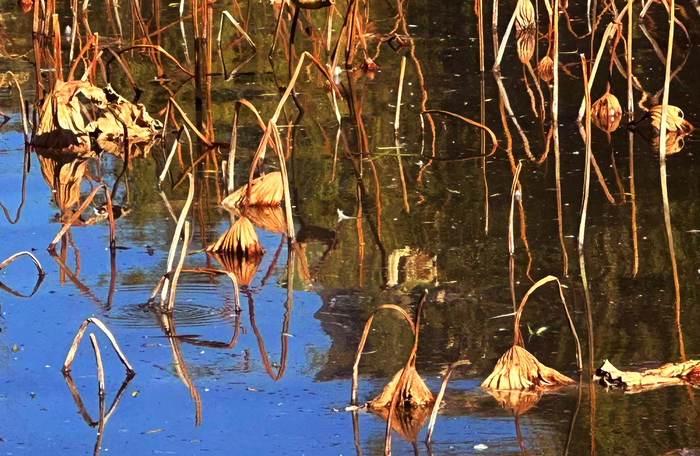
point(587, 172)
point(555, 134)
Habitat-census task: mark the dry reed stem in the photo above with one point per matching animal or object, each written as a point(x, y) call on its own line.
point(98, 361)
point(76, 341)
point(169, 160)
point(589, 154)
point(555, 134)
point(160, 50)
point(66, 226)
point(25, 127)
point(398, 97)
point(176, 275)
point(238, 27)
point(438, 399)
point(494, 141)
point(502, 48)
point(176, 236)
point(12, 258)
point(628, 48)
point(513, 189)
point(190, 124)
point(363, 340)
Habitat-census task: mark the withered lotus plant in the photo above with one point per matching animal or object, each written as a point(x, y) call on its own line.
point(545, 68)
point(675, 120)
point(239, 239)
point(674, 142)
point(406, 390)
point(525, 43)
point(267, 190)
point(409, 389)
point(243, 268)
point(518, 369)
point(524, 15)
point(606, 112)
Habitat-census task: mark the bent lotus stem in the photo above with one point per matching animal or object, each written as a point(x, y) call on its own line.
point(78, 337)
point(363, 340)
point(519, 312)
point(39, 269)
point(438, 399)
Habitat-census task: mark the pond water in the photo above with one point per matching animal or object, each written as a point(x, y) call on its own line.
point(419, 213)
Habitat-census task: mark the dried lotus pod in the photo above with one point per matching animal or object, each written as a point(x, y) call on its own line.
point(524, 15)
point(240, 239)
point(525, 44)
point(606, 112)
point(518, 369)
point(545, 69)
point(674, 119)
point(413, 392)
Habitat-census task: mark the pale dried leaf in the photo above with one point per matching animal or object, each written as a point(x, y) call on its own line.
point(518, 369)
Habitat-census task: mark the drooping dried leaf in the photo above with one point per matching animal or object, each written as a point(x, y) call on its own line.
point(635, 382)
point(243, 268)
point(138, 147)
point(267, 190)
point(63, 175)
point(674, 142)
point(62, 126)
point(545, 69)
point(606, 113)
point(674, 119)
point(524, 15)
point(406, 422)
point(268, 218)
point(239, 239)
point(414, 392)
point(120, 112)
point(517, 402)
point(518, 369)
point(525, 43)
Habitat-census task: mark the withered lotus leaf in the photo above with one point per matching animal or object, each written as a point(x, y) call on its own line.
point(545, 69)
point(240, 239)
point(120, 112)
point(61, 125)
point(517, 402)
point(674, 142)
point(675, 120)
point(606, 112)
point(268, 218)
point(525, 44)
point(518, 369)
point(413, 393)
point(407, 422)
point(267, 190)
point(524, 15)
point(243, 268)
point(633, 382)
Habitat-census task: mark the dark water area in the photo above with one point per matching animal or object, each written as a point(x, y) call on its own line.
point(421, 211)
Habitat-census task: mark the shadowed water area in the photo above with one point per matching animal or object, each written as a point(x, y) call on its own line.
point(380, 215)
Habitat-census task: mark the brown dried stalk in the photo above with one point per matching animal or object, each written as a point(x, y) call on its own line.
point(180, 264)
point(76, 214)
point(76, 342)
point(100, 370)
point(589, 155)
point(176, 236)
point(438, 400)
point(494, 141)
point(39, 269)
